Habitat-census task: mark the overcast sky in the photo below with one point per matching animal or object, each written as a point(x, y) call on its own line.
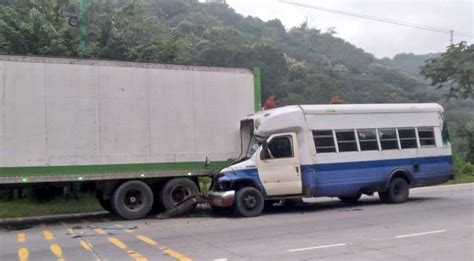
point(381, 39)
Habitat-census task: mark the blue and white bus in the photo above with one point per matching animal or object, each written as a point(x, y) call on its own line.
point(336, 151)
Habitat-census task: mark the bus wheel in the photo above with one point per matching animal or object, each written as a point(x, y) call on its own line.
point(350, 199)
point(177, 191)
point(132, 200)
point(248, 202)
point(397, 191)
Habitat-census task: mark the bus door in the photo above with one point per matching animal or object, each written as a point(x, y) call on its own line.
point(278, 165)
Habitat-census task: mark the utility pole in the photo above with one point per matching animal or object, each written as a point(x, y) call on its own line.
point(451, 36)
point(82, 26)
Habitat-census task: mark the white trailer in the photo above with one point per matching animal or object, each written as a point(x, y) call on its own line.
point(140, 132)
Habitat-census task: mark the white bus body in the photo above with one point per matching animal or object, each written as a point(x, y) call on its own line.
point(340, 151)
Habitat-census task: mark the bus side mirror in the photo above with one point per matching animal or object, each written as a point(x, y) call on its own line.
point(264, 154)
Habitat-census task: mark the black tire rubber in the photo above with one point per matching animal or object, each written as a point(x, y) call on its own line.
point(249, 202)
point(176, 191)
point(350, 199)
point(132, 200)
point(397, 192)
point(105, 204)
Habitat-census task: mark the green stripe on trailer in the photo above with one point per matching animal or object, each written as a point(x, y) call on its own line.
point(257, 85)
point(114, 168)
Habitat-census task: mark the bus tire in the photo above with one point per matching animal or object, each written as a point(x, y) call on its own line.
point(132, 200)
point(397, 192)
point(249, 202)
point(350, 199)
point(176, 191)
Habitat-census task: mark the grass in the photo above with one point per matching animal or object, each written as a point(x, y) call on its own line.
point(465, 178)
point(28, 208)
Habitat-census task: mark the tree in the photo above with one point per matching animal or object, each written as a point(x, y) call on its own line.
point(454, 68)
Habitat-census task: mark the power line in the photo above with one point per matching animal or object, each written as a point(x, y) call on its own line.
point(381, 19)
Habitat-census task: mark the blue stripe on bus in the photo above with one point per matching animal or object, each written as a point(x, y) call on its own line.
point(336, 179)
point(333, 179)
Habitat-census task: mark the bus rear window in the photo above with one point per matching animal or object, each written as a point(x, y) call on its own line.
point(426, 136)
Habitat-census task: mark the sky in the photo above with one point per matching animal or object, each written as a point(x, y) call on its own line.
point(380, 39)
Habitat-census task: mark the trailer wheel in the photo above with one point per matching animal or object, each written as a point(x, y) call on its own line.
point(132, 200)
point(397, 191)
point(249, 202)
point(350, 199)
point(176, 191)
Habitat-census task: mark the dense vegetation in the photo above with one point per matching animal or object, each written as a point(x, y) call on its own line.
point(299, 65)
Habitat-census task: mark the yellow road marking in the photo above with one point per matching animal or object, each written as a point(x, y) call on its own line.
point(23, 254)
point(175, 254)
point(100, 231)
point(21, 237)
point(56, 249)
point(71, 231)
point(86, 245)
point(136, 256)
point(48, 235)
point(147, 240)
point(118, 243)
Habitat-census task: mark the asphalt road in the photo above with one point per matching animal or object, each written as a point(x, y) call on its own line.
point(437, 223)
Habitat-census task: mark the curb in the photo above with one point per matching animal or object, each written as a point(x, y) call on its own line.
point(51, 218)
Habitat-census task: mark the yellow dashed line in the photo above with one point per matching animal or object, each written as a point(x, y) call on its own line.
point(21, 237)
point(136, 256)
point(100, 231)
point(23, 254)
point(86, 245)
point(48, 235)
point(117, 243)
point(56, 249)
point(168, 251)
point(175, 254)
point(147, 240)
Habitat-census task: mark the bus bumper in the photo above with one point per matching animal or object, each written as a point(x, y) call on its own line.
point(221, 199)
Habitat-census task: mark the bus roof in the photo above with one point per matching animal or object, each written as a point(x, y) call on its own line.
point(372, 108)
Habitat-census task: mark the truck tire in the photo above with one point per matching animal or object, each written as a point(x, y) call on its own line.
point(176, 191)
point(397, 192)
point(249, 202)
point(132, 200)
point(350, 199)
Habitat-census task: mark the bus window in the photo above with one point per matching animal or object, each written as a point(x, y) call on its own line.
point(388, 139)
point(426, 136)
point(368, 139)
point(346, 140)
point(407, 138)
point(324, 141)
point(281, 147)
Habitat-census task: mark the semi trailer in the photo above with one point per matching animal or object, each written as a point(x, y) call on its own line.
point(141, 134)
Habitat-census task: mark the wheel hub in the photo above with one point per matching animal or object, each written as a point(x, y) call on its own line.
point(133, 200)
point(250, 201)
